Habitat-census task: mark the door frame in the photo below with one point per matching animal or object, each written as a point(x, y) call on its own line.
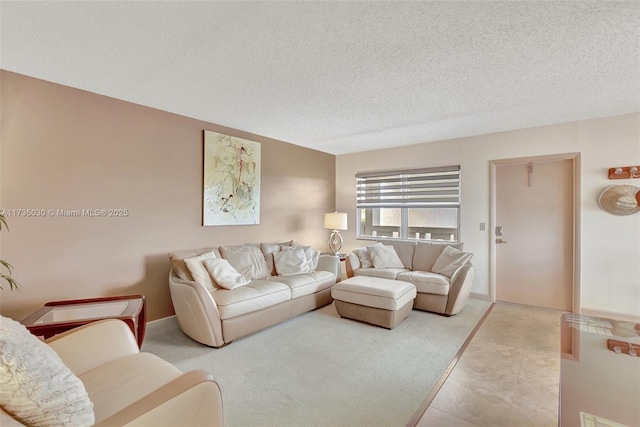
point(575, 161)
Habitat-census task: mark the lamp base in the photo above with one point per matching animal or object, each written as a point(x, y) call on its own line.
point(335, 242)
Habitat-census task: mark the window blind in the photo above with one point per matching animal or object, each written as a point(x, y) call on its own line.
point(420, 188)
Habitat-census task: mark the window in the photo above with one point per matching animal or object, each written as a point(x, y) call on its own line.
point(409, 204)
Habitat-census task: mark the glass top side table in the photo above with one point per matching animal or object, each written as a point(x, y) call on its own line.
point(60, 316)
point(599, 372)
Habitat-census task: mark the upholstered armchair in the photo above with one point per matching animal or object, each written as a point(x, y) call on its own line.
point(95, 374)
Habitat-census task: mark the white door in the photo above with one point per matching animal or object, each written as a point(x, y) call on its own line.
point(534, 246)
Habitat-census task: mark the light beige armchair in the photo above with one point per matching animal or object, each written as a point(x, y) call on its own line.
point(129, 387)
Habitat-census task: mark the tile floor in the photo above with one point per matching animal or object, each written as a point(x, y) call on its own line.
point(507, 376)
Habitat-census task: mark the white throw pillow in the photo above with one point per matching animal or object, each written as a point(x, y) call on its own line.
point(224, 274)
point(36, 388)
point(197, 270)
point(364, 256)
point(291, 261)
point(385, 257)
point(450, 260)
point(312, 256)
point(268, 249)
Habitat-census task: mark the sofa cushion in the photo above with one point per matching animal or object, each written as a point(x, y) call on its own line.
point(224, 274)
point(385, 257)
point(248, 260)
point(177, 261)
point(268, 249)
point(114, 385)
point(450, 261)
point(291, 261)
point(426, 282)
point(427, 253)
point(385, 273)
point(198, 271)
point(364, 256)
point(308, 283)
point(36, 387)
point(255, 296)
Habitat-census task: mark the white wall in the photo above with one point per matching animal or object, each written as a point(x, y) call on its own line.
point(609, 245)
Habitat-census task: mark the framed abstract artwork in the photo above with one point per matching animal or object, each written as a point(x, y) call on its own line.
point(231, 190)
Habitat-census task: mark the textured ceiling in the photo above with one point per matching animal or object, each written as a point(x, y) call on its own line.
point(340, 77)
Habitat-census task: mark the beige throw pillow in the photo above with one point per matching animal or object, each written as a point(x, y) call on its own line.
point(291, 261)
point(224, 274)
point(36, 388)
point(247, 260)
point(177, 261)
point(364, 256)
point(268, 249)
point(450, 261)
point(385, 257)
point(427, 253)
point(199, 272)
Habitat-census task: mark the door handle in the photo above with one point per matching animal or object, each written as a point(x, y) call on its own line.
point(501, 241)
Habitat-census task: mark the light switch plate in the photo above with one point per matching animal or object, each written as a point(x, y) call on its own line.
point(482, 226)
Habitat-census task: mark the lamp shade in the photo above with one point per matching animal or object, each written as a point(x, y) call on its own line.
point(335, 221)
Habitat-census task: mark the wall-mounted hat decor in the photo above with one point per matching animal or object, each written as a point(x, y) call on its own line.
point(620, 199)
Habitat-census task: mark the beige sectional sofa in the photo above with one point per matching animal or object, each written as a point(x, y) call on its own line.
point(262, 284)
point(444, 291)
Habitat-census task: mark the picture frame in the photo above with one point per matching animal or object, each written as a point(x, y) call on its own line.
point(231, 180)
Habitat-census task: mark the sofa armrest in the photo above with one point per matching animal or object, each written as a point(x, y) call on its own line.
point(196, 311)
point(94, 344)
point(329, 263)
point(352, 263)
point(193, 399)
point(460, 289)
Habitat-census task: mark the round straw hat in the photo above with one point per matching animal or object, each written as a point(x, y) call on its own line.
point(620, 199)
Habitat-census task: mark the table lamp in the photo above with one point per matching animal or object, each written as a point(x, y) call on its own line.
point(335, 221)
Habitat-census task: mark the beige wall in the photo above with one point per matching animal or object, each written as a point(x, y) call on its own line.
point(609, 245)
point(62, 148)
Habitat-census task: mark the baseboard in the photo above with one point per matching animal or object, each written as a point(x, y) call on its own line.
point(150, 322)
point(610, 315)
point(482, 297)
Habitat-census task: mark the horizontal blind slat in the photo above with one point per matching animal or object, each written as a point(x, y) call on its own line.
point(405, 205)
point(452, 168)
point(392, 181)
point(371, 195)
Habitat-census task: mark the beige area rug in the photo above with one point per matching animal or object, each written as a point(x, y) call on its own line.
point(321, 370)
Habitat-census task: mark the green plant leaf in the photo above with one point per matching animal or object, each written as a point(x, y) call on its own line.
point(13, 284)
point(7, 265)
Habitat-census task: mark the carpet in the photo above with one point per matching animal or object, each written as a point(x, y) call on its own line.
point(318, 369)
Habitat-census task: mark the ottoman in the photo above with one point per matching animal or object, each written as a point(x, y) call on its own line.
point(381, 302)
